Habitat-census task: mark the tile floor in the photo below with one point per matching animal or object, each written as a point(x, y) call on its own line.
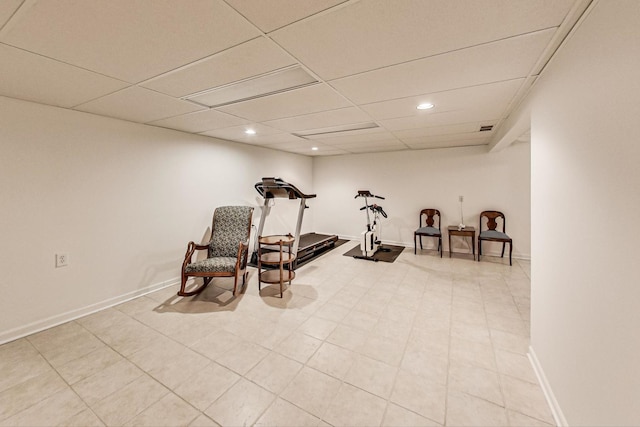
point(423, 341)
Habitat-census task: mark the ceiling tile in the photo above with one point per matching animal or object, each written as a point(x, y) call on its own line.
point(491, 98)
point(376, 33)
point(7, 9)
point(453, 140)
point(438, 130)
point(273, 14)
point(440, 119)
point(249, 59)
point(323, 119)
point(200, 121)
point(461, 142)
point(137, 104)
point(36, 78)
point(380, 149)
point(368, 135)
point(129, 40)
point(386, 143)
point(308, 151)
point(237, 133)
point(311, 99)
point(504, 60)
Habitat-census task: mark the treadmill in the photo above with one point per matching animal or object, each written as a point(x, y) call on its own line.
point(308, 246)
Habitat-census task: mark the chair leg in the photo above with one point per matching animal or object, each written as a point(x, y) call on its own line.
point(421, 242)
point(503, 245)
point(479, 249)
point(415, 246)
point(510, 250)
point(183, 284)
point(440, 245)
point(235, 283)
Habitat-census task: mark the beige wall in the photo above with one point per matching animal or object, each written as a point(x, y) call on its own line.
point(121, 199)
point(413, 180)
point(585, 206)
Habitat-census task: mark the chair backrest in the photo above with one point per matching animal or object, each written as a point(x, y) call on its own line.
point(231, 225)
point(492, 222)
point(430, 214)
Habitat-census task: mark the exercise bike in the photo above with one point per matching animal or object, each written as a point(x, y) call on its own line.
point(370, 242)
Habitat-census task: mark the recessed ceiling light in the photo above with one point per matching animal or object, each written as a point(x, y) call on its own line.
point(250, 132)
point(314, 148)
point(425, 106)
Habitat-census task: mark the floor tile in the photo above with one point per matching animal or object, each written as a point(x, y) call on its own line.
point(332, 312)
point(476, 381)
point(348, 337)
point(216, 343)
point(383, 348)
point(360, 320)
point(397, 416)
point(517, 419)
point(420, 395)
point(515, 365)
point(526, 398)
point(283, 414)
point(332, 360)
point(88, 364)
point(121, 406)
point(242, 357)
point(510, 342)
point(241, 405)
point(168, 411)
point(203, 421)
point(317, 327)
point(13, 372)
point(431, 365)
point(274, 372)
point(30, 392)
point(466, 410)
point(471, 353)
point(203, 388)
point(355, 407)
point(86, 418)
point(111, 379)
point(299, 346)
point(312, 391)
point(50, 411)
point(372, 375)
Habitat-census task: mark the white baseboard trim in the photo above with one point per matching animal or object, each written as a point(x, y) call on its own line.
point(556, 411)
point(41, 325)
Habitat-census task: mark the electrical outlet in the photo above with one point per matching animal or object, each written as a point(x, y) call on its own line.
point(461, 198)
point(62, 260)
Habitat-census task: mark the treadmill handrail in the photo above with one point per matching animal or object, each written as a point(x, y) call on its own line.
point(270, 188)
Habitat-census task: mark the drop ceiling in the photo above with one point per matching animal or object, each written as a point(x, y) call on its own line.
point(341, 76)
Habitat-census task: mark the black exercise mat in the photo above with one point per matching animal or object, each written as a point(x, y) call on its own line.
point(380, 255)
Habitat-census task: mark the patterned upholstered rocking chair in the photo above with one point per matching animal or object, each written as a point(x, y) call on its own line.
point(227, 250)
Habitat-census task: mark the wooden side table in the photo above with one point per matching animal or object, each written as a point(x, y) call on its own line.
point(280, 258)
point(468, 231)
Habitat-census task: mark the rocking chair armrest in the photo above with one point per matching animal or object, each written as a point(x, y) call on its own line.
point(191, 248)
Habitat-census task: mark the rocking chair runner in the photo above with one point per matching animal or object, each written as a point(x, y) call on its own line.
point(227, 249)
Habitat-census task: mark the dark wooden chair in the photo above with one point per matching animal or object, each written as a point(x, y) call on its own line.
point(493, 235)
point(430, 229)
point(227, 251)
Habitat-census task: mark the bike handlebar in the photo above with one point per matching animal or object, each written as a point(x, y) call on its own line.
point(375, 208)
point(366, 193)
